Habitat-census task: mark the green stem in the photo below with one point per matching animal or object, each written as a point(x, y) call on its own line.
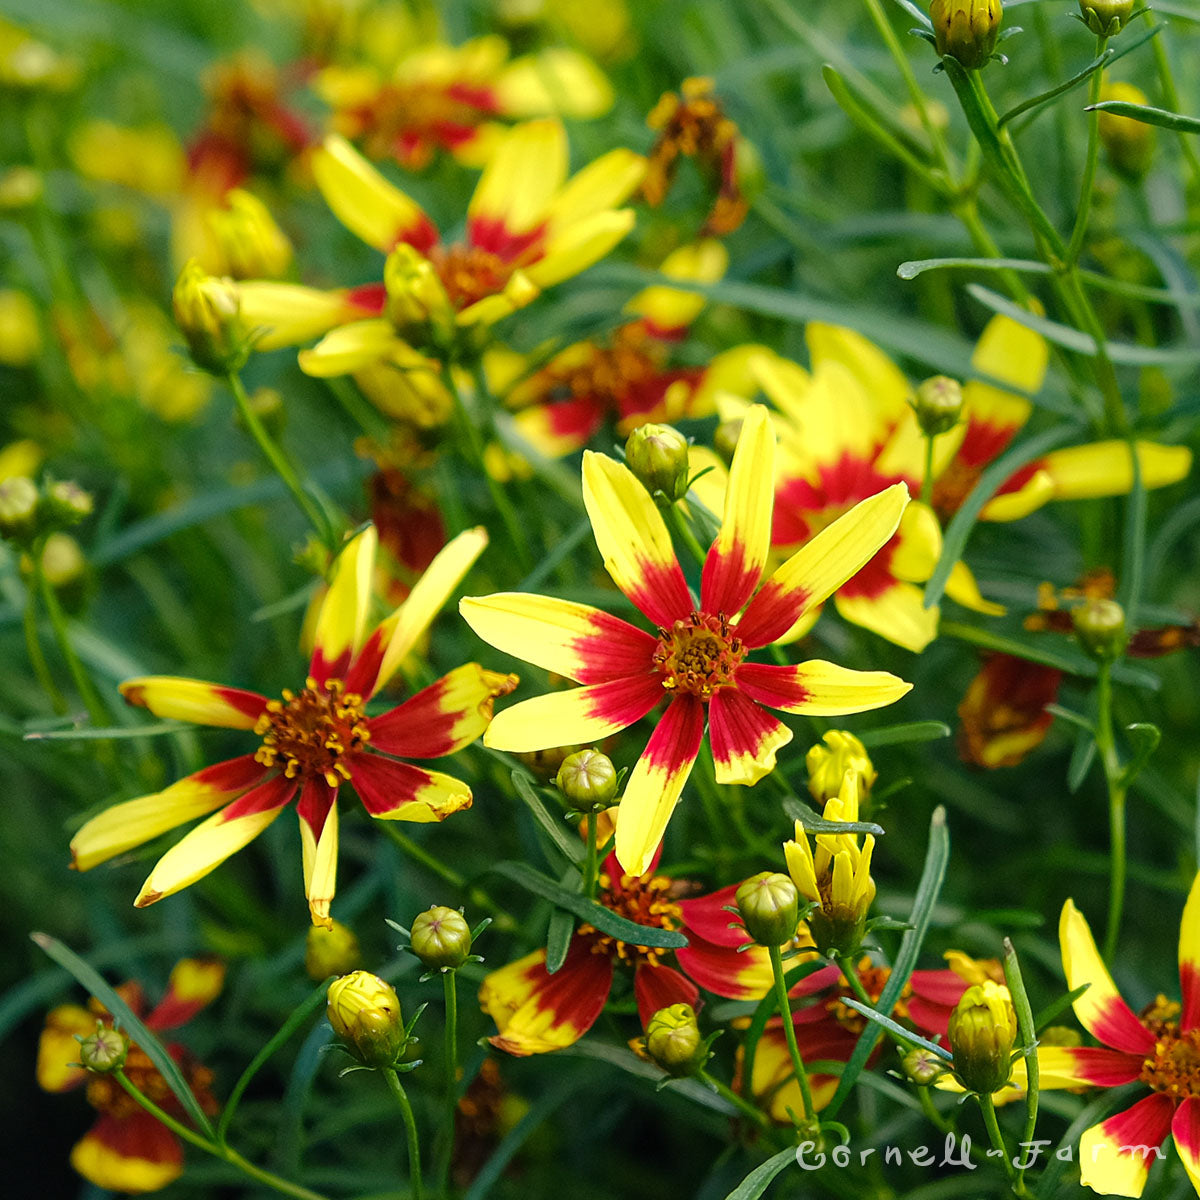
point(1110, 761)
point(279, 461)
point(789, 1029)
point(939, 1122)
point(410, 1130)
point(739, 1102)
point(97, 709)
point(988, 1108)
point(686, 536)
point(588, 885)
point(225, 1153)
point(1166, 81)
point(1083, 213)
point(37, 657)
point(446, 1136)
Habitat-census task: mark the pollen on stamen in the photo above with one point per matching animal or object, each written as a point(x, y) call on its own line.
point(698, 654)
point(311, 733)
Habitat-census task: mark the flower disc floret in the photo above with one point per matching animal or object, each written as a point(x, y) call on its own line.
point(310, 733)
point(645, 901)
point(699, 654)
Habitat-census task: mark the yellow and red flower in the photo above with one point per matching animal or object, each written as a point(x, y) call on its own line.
point(828, 1029)
point(1003, 715)
point(697, 660)
point(1160, 1048)
point(536, 1012)
point(528, 227)
point(127, 1150)
point(847, 430)
point(628, 378)
point(454, 99)
point(313, 740)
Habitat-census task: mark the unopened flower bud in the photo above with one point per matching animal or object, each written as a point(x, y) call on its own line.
point(922, 1066)
point(441, 938)
point(1100, 628)
point(938, 405)
point(658, 456)
point(63, 563)
point(20, 330)
point(208, 312)
point(18, 507)
point(1106, 18)
point(66, 503)
point(725, 439)
point(966, 29)
point(545, 763)
point(769, 906)
point(20, 187)
point(983, 1028)
point(250, 242)
point(1129, 144)
point(365, 1013)
point(673, 1040)
point(332, 951)
point(417, 303)
point(828, 761)
point(588, 780)
point(103, 1051)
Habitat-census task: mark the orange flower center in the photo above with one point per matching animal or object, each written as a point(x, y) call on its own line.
point(643, 901)
point(313, 732)
point(411, 120)
point(1174, 1067)
point(469, 273)
point(607, 374)
point(873, 979)
point(698, 655)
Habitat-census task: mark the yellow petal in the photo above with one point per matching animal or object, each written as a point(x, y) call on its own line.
point(179, 699)
point(1037, 490)
point(879, 377)
point(608, 181)
point(352, 347)
point(555, 80)
point(521, 178)
point(319, 858)
point(669, 310)
point(1012, 353)
point(898, 613)
point(1106, 468)
point(342, 621)
point(287, 313)
point(962, 589)
point(580, 244)
point(58, 1047)
point(919, 544)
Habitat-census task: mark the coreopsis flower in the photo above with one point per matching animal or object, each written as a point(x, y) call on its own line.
point(455, 99)
point(128, 1150)
point(835, 877)
point(528, 227)
point(847, 430)
point(697, 658)
point(628, 377)
point(1156, 1048)
point(827, 1029)
point(693, 124)
point(313, 740)
point(1003, 715)
point(536, 1012)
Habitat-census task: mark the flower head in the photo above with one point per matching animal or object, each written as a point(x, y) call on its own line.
point(528, 227)
point(314, 740)
point(127, 1150)
point(967, 29)
point(698, 658)
point(365, 1013)
point(983, 1028)
point(837, 752)
point(1158, 1048)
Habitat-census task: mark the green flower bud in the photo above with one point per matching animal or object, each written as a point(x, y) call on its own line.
point(332, 951)
point(673, 1040)
point(1129, 144)
point(588, 780)
point(66, 503)
point(967, 29)
point(103, 1051)
point(983, 1028)
point(1100, 628)
point(922, 1066)
point(938, 405)
point(725, 440)
point(18, 507)
point(365, 1013)
point(208, 311)
point(658, 456)
point(769, 906)
point(63, 563)
point(1106, 18)
point(441, 938)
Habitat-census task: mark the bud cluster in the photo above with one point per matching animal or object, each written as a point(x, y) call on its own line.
point(30, 513)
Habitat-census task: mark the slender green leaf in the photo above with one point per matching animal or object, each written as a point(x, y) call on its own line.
point(901, 735)
point(761, 1177)
point(989, 483)
point(1051, 1013)
point(898, 1031)
point(1045, 97)
point(1083, 754)
point(1148, 115)
point(156, 729)
point(811, 823)
point(558, 939)
point(936, 858)
point(552, 823)
point(603, 918)
point(921, 17)
point(1123, 353)
point(124, 1016)
point(1028, 1033)
point(918, 266)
